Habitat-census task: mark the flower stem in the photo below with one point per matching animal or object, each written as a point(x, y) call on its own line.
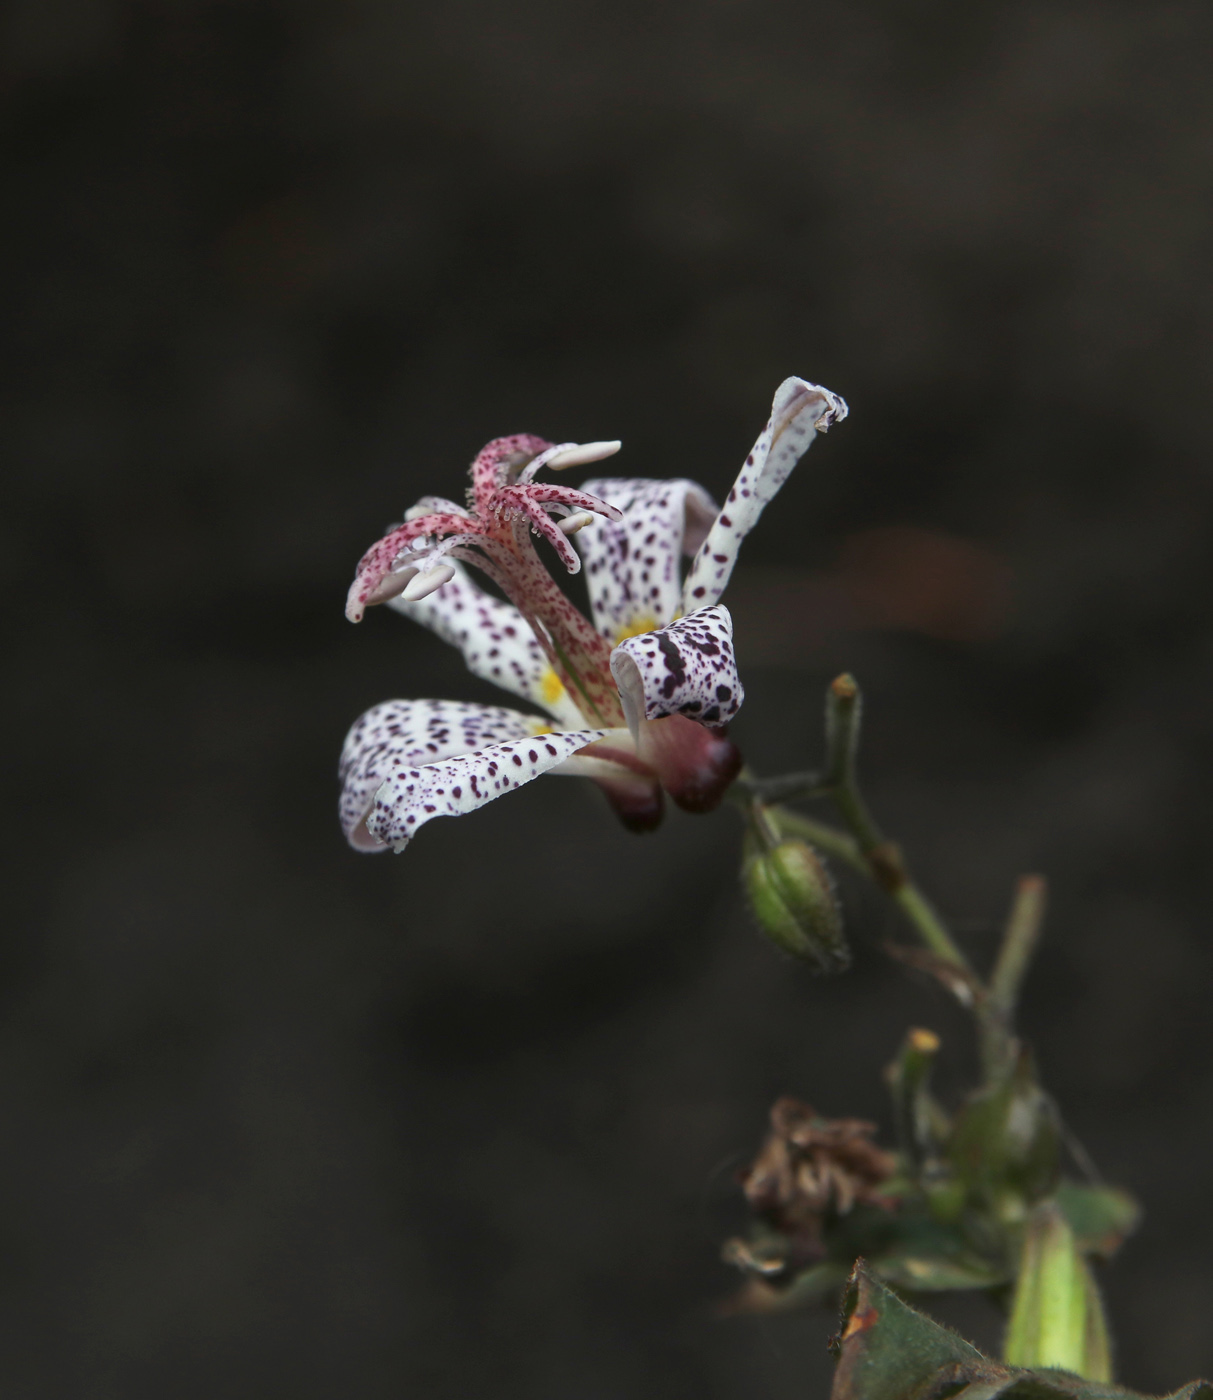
point(826, 838)
point(788, 787)
point(1018, 944)
point(928, 925)
point(887, 866)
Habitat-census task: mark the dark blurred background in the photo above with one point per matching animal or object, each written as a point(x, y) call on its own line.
point(280, 1120)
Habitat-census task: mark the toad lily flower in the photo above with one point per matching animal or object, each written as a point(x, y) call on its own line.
point(638, 698)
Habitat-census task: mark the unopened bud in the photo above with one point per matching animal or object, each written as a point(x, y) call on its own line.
point(922, 1125)
point(793, 898)
point(1006, 1144)
point(1057, 1317)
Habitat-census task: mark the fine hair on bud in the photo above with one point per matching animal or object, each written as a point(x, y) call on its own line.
point(792, 895)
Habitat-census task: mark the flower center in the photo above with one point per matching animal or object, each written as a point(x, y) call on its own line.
point(636, 628)
point(553, 686)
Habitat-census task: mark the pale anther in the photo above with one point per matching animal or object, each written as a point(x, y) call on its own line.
point(572, 523)
point(582, 455)
point(430, 582)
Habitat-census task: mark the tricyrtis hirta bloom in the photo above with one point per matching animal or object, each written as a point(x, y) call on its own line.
point(637, 696)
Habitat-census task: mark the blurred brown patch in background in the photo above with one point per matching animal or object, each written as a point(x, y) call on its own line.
point(898, 577)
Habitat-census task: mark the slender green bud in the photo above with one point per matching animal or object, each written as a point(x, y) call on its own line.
point(844, 705)
point(1057, 1317)
point(922, 1125)
point(793, 898)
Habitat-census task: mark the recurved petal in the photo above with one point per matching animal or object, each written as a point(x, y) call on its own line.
point(799, 412)
point(496, 641)
point(633, 566)
point(687, 668)
point(405, 734)
point(413, 796)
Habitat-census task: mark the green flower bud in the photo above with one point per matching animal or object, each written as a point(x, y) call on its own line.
point(1006, 1145)
point(922, 1125)
point(1057, 1317)
point(793, 898)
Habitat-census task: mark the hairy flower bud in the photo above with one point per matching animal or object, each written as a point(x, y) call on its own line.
point(1006, 1145)
point(1057, 1317)
point(922, 1125)
point(793, 898)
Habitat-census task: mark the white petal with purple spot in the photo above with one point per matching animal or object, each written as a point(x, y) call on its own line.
point(687, 668)
point(407, 733)
point(799, 412)
point(413, 796)
point(496, 641)
point(634, 566)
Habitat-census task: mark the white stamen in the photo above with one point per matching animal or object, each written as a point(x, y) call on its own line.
point(572, 523)
point(582, 455)
point(430, 582)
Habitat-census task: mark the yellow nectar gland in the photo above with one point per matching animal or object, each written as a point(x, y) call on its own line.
point(636, 628)
point(552, 686)
point(550, 683)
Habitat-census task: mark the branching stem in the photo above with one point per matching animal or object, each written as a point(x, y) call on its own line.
point(1019, 942)
point(826, 838)
point(886, 864)
point(861, 844)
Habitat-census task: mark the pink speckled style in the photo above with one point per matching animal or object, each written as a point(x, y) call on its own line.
point(642, 694)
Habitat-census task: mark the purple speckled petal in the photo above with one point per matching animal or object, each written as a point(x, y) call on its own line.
point(410, 797)
point(799, 412)
point(407, 733)
point(687, 668)
point(633, 567)
point(497, 642)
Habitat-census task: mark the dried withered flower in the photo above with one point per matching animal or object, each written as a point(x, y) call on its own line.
point(811, 1166)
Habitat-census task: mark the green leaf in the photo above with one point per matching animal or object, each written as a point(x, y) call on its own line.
point(1100, 1216)
point(888, 1351)
point(932, 1273)
point(924, 1255)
